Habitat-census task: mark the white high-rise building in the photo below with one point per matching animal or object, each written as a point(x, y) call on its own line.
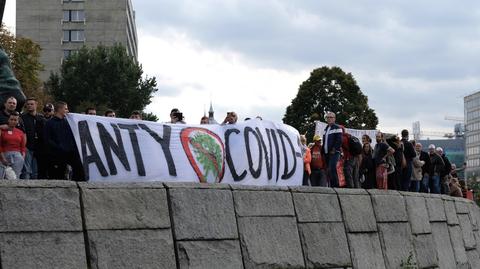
point(472, 134)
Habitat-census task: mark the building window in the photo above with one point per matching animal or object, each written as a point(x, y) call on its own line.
point(67, 53)
point(73, 15)
point(73, 36)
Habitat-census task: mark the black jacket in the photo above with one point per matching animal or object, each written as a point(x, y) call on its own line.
point(448, 166)
point(408, 150)
point(34, 130)
point(426, 167)
point(59, 137)
point(437, 166)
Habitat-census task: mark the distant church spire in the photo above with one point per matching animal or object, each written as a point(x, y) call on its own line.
point(211, 118)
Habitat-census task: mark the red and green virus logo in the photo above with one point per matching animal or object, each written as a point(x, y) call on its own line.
point(205, 152)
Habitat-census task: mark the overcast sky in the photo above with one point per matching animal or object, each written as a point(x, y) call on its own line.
point(415, 60)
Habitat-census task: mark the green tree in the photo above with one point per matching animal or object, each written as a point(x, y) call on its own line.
point(25, 57)
point(330, 89)
point(103, 77)
point(149, 116)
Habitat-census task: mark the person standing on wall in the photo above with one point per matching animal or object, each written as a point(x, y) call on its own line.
point(445, 175)
point(10, 106)
point(34, 124)
point(436, 169)
point(407, 162)
point(61, 145)
point(417, 174)
point(380, 153)
point(332, 142)
point(317, 164)
point(307, 158)
point(424, 185)
point(367, 167)
point(13, 144)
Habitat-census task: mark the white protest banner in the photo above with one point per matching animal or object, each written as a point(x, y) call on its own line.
point(320, 130)
point(254, 152)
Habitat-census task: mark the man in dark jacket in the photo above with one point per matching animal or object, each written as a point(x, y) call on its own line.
point(409, 153)
point(444, 176)
point(9, 106)
point(33, 123)
point(424, 186)
point(61, 145)
point(436, 169)
point(332, 141)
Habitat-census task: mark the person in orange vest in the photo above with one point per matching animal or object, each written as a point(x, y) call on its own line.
point(307, 158)
point(318, 176)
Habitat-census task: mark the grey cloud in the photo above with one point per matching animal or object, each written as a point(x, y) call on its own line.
point(167, 89)
point(428, 41)
point(407, 38)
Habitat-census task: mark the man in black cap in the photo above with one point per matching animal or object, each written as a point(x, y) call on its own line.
point(48, 111)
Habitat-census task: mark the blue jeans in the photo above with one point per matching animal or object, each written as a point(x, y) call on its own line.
point(415, 185)
point(332, 168)
point(15, 159)
point(435, 184)
point(30, 166)
point(424, 186)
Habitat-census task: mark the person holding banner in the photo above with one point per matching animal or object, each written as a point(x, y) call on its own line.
point(136, 115)
point(176, 117)
point(61, 145)
point(110, 113)
point(231, 118)
point(331, 146)
point(13, 142)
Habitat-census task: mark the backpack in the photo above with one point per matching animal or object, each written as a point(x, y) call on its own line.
point(354, 145)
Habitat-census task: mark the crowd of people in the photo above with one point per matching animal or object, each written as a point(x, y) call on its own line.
point(340, 160)
point(38, 145)
point(41, 146)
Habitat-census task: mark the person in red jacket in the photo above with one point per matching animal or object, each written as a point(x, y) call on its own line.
point(13, 143)
point(318, 164)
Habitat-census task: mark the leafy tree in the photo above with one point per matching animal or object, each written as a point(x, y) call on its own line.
point(149, 116)
point(330, 89)
point(25, 57)
point(103, 77)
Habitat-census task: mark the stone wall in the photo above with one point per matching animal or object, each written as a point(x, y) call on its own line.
point(60, 224)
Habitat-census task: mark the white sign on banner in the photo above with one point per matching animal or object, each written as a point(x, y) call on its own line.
point(255, 152)
point(320, 130)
